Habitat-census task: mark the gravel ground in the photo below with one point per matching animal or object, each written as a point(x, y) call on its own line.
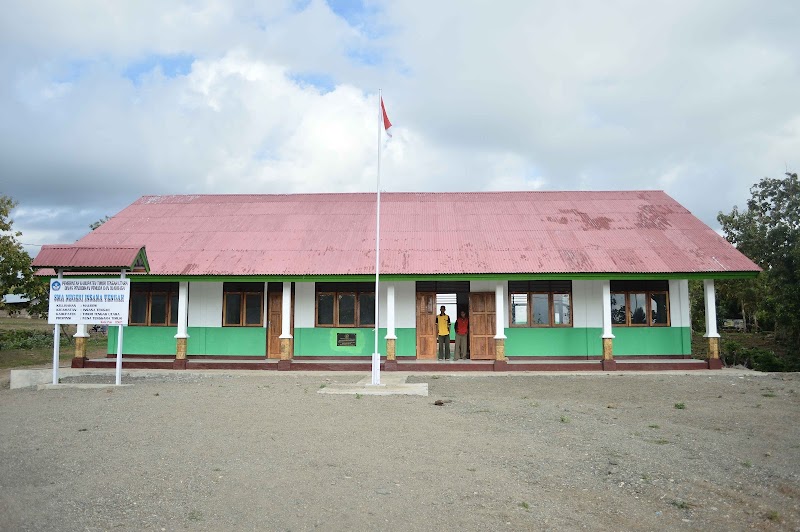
point(699, 451)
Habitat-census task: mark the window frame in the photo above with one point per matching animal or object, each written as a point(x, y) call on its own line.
point(168, 290)
point(550, 309)
point(648, 295)
point(342, 289)
point(243, 291)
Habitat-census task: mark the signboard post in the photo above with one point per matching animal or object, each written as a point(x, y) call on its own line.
point(95, 301)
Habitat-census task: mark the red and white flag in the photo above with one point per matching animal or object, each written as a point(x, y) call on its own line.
point(386, 124)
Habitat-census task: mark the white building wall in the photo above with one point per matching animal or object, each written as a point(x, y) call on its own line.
point(489, 286)
point(304, 305)
point(405, 305)
point(205, 304)
point(679, 308)
point(586, 303)
point(404, 301)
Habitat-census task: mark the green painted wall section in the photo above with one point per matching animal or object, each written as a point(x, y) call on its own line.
point(144, 340)
point(531, 341)
point(227, 341)
point(252, 341)
point(652, 341)
point(224, 341)
point(588, 342)
point(322, 342)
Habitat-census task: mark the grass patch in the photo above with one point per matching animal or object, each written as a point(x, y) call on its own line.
point(358, 396)
point(682, 505)
point(525, 505)
point(322, 385)
point(565, 419)
point(769, 394)
point(654, 426)
point(195, 515)
point(747, 463)
point(29, 342)
point(680, 406)
point(661, 441)
point(773, 516)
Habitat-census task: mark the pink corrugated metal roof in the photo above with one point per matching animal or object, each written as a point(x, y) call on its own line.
point(86, 257)
point(421, 233)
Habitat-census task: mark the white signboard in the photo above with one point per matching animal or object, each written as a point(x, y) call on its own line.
point(95, 301)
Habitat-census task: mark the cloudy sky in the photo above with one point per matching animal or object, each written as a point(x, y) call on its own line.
point(105, 101)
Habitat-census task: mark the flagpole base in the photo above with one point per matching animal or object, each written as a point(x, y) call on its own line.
point(376, 369)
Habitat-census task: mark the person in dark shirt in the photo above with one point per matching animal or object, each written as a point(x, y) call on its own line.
point(462, 330)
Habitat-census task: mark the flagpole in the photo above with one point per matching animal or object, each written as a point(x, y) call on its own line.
point(376, 357)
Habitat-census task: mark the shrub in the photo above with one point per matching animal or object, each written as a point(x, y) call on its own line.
point(25, 339)
point(731, 352)
point(764, 360)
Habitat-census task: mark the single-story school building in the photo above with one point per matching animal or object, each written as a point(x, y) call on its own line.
point(548, 280)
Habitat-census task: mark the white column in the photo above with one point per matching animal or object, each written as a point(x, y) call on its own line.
point(499, 310)
point(183, 307)
point(57, 341)
point(286, 311)
point(118, 380)
point(390, 328)
point(606, 284)
point(265, 306)
point(711, 309)
point(81, 331)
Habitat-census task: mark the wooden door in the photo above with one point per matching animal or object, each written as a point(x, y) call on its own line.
point(426, 325)
point(481, 326)
point(274, 306)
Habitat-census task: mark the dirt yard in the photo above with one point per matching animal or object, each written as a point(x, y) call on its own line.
point(700, 451)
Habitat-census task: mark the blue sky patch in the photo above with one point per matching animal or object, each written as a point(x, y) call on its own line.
point(365, 56)
point(171, 66)
point(352, 11)
point(320, 81)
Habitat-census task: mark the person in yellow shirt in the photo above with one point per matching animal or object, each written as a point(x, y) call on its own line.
point(443, 330)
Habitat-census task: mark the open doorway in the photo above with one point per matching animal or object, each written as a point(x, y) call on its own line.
point(450, 304)
point(431, 296)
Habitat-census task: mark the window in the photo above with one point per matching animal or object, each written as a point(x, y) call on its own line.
point(154, 304)
point(345, 304)
point(640, 303)
point(540, 303)
point(243, 304)
point(519, 309)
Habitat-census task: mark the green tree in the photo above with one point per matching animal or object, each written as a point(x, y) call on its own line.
point(768, 232)
point(16, 274)
point(98, 223)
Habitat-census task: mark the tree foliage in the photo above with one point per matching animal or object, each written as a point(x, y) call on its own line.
point(768, 232)
point(16, 273)
point(98, 223)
